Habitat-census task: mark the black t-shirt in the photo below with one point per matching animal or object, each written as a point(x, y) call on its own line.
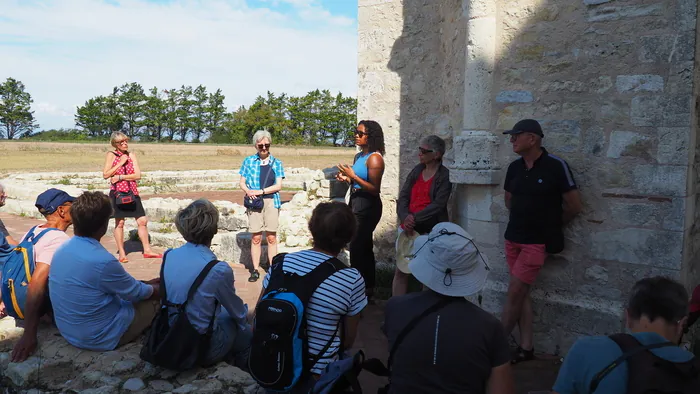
point(450, 351)
point(536, 201)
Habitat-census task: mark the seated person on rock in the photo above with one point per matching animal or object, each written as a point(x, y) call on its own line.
point(230, 341)
point(448, 342)
point(657, 312)
point(55, 205)
point(3, 229)
point(97, 305)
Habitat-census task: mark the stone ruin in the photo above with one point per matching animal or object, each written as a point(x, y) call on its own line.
point(615, 84)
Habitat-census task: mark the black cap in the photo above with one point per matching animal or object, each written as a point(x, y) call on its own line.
point(526, 126)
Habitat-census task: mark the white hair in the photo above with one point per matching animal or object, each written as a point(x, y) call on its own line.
point(198, 222)
point(261, 134)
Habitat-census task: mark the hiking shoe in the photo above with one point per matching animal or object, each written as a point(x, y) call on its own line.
point(254, 276)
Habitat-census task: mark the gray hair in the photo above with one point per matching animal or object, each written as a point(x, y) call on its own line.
point(260, 134)
point(435, 143)
point(198, 222)
point(117, 135)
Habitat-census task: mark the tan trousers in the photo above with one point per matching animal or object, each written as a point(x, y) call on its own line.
point(144, 312)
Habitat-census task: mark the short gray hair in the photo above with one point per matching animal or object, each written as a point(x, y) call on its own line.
point(198, 222)
point(435, 143)
point(260, 134)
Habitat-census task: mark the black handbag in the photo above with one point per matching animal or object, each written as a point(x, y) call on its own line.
point(123, 198)
point(179, 346)
point(257, 204)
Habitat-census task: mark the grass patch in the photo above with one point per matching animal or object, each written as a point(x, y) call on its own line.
point(167, 229)
point(63, 181)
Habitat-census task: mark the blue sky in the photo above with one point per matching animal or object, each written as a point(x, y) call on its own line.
point(67, 51)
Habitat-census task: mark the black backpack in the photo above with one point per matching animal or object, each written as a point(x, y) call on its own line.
point(279, 354)
point(179, 346)
point(650, 374)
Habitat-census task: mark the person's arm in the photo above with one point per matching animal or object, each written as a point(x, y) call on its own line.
point(375, 170)
point(358, 302)
point(108, 171)
point(507, 196)
point(226, 294)
point(506, 186)
point(11, 240)
point(352, 324)
point(442, 196)
point(115, 280)
point(572, 205)
point(137, 170)
point(405, 195)
point(36, 296)
point(501, 380)
point(279, 175)
point(244, 173)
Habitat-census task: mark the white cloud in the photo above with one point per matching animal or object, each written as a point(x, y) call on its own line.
point(67, 51)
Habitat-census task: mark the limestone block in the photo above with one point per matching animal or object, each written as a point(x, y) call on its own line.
point(673, 145)
point(300, 199)
point(478, 201)
point(660, 180)
point(475, 150)
point(323, 193)
point(514, 96)
point(562, 135)
point(639, 83)
point(658, 248)
point(476, 177)
point(636, 214)
point(613, 13)
point(628, 143)
point(660, 111)
point(667, 48)
point(133, 384)
point(686, 13)
point(680, 78)
point(234, 222)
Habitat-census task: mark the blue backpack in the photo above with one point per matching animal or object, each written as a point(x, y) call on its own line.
point(279, 354)
point(17, 273)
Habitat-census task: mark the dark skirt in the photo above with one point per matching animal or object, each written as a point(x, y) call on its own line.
point(133, 210)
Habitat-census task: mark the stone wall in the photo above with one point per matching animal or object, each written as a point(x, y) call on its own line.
point(611, 81)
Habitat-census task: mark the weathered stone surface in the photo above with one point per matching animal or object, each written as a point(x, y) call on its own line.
point(595, 2)
point(639, 83)
point(514, 96)
point(638, 246)
point(660, 180)
point(612, 13)
point(133, 384)
point(665, 48)
point(161, 385)
point(660, 111)
point(673, 145)
point(627, 143)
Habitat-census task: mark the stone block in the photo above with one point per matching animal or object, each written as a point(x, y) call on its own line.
point(476, 177)
point(562, 135)
point(475, 150)
point(133, 384)
point(686, 13)
point(673, 145)
point(487, 233)
point(595, 2)
point(667, 48)
point(478, 203)
point(594, 141)
point(636, 214)
point(613, 13)
point(669, 111)
point(629, 144)
point(660, 180)
point(514, 96)
point(646, 110)
point(639, 83)
point(680, 78)
point(662, 249)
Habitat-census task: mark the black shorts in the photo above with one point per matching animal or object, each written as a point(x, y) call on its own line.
point(133, 210)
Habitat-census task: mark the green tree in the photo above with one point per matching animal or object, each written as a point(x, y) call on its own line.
point(16, 117)
point(154, 115)
point(90, 117)
point(200, 109)
point(171, 108)
point(111, 115)
point(216, 113)
point(185, 104)
point(131, 105)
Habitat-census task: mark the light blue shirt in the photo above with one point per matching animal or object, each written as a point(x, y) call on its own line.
point(92, 294)
point(182, 266)
point(590, 355)
point(250, 170)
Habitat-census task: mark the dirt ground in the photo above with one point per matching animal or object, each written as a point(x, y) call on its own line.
point(18, 156)
point(227, 195)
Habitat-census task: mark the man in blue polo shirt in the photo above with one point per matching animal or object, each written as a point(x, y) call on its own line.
point(657, 311)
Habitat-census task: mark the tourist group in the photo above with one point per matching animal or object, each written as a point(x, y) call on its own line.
point(299, 337)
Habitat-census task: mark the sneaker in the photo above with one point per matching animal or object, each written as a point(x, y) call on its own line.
point(254, 276)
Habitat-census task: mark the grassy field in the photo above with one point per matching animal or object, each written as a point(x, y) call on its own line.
point(18, 156)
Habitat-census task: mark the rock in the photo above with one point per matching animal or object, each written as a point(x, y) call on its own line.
point(161, 385)
point(124, 366)
point(209, 386)
point(188, 388)
point(230, 375)
point(133, 384)
point(21, 373)
point(111, 380)
point(92, 376)
point(301, 198)
point(101, 390)
point(254, 389)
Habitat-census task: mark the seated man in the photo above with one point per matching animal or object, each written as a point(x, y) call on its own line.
point(198, 223)
point(448, 342)
point(97, 304)
point(656, 313)
point(55, 205)
point(3, 229)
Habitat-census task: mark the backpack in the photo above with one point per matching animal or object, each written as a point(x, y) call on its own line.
point(650, 374)
point(17, 273)
point(179, 346)
point(279, 355)
point(376, 367)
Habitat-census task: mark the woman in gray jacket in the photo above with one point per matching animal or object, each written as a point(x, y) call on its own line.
point(422, 203)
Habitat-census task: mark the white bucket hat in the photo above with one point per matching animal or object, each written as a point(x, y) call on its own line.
point(404, 248)
point(448, 262)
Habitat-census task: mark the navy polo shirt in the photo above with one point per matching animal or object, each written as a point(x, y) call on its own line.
point(536, 201)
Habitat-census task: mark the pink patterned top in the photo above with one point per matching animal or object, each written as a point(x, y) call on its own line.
point(127, 169)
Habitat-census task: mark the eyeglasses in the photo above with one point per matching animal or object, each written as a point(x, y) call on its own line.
point(121, 142)
point(425, 151)
point(263, 146)
point(361, 133)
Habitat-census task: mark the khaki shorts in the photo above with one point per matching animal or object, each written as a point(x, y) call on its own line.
point(144, 312)
point(266, 219)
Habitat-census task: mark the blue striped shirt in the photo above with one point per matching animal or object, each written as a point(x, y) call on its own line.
point(342, 294)
point(250, 171)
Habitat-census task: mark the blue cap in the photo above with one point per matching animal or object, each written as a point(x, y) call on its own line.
point(49, 201)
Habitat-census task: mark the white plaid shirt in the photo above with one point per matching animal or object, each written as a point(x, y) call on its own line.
point(250, 170)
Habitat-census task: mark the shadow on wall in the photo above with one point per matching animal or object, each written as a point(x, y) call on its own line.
point(589, 71)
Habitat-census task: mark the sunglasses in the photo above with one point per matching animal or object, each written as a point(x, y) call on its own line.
point(263, 146)
point(121, 142)
point(425, 151)
point(361, 133)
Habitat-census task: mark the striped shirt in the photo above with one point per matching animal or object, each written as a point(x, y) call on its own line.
point(250, 170)
point(342, 294)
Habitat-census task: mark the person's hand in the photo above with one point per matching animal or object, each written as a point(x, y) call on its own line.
point(342, 178)
point(251, 194)
point(156, 291)
point(154, 281)
point(3, 310)
point(409, 222)
point(258, 192)
point(123, 159)
point(114, 178)
point(346, 170)
point(24, 348)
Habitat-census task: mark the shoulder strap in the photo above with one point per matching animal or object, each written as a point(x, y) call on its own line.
point(200, 279)
point(29, 235)
point(630, 346)
point(163, 292)
point(37, 237)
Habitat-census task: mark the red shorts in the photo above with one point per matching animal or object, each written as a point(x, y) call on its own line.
point(525, 260)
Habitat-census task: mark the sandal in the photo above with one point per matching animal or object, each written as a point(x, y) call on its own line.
point(124, 260)
point(152, 256)
point(523, 355)
point(254, 276)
